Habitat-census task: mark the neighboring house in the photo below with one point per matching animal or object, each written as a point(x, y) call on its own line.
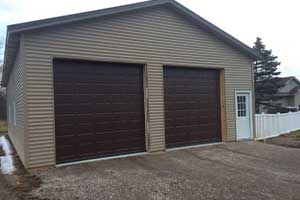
point(288, 94)
point(143, 77)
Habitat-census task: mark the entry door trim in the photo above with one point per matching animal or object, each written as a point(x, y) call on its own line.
point(250, 110)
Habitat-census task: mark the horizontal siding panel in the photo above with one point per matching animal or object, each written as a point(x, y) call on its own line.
point(156, 107)
point(156, 148)
point(41, 147)
point(139, 49)
point(40, 144)
point(41, 138)
point(133, 55)
point(40, 160)
point(42, 163)
point(16, 95)
point(42, 155)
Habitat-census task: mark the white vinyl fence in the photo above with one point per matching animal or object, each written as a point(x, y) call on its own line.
point(272, 125)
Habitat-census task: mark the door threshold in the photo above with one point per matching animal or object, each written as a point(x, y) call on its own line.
point(100, 159)
point(194, 146)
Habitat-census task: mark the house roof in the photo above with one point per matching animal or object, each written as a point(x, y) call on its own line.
point(13, 31)
point(284, 90)
point(283, 80)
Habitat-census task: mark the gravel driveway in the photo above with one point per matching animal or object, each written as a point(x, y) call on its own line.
point(246, 170)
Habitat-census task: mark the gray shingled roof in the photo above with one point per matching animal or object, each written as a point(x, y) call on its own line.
point(13, 31)
point(284, 90)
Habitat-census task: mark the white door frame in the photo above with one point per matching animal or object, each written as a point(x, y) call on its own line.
point(250, 110)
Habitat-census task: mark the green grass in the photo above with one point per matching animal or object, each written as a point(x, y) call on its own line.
point(3, 128)
point(295, 134)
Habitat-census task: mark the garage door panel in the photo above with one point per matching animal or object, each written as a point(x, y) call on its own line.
point(83, 108)
point(118, 116)
point(64, 99)
point(86, 148)
point(80, 117)
point(116, 134)
point(117, 107)
point(65, 109)
point(64, 119)
point(176, 114)
point(126, 98)
point(191, 121)
point(63, 77)
point(85, 129)
point(85, 88)
point(108, 126)
point(64, 131)
point(116, 79)
point(68, 152)
point(66, 140)
point(63, 88)
point(192, 106)
point(99, 109)
point(101, 117)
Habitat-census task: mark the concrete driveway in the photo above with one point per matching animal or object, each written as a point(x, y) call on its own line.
point(245, 170)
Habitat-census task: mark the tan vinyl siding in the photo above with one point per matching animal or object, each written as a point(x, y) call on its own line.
point(16, 95)
point(156, 107)
point(155, 37)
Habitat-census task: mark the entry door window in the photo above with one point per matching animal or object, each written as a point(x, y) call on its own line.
point(242, 108)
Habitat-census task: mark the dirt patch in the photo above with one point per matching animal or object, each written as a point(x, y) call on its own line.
point(291, 140)
point(18, 184)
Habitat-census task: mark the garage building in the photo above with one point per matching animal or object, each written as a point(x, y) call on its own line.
point(138, 78)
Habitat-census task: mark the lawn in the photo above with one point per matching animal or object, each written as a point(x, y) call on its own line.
point(3, 128)
point(287, 140)
point(295, 134)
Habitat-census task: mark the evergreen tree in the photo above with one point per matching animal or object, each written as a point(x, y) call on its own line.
point(265, 70)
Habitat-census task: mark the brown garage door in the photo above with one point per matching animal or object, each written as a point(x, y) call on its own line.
point(192, 106)
point(99, 109)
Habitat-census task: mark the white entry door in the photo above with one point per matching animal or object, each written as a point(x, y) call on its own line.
point(243, 116)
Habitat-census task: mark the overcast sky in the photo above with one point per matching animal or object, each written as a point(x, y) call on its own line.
point(275, 21)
